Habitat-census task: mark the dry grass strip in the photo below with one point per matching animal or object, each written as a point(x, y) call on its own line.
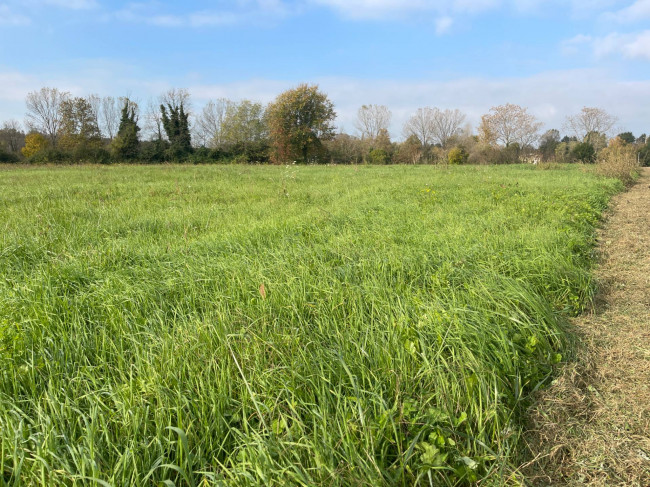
point(592, 426)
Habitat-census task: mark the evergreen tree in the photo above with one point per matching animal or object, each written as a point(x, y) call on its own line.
point(126, 143)
point(177, 128)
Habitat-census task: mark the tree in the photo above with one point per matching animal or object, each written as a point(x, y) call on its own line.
point(79, 128)
point(564, 149)
point(508, 124)
point(590, 120)
point(244, 123)
point(597, 140)
point(627, 137)
point(371, 119)
point(176, 97)
point(548, 143)
point(382, 141)
point(299, 121)
point(44, 112)
point(95, 103)
point(176, 124)
point(345, 149)
point(584, 152)
point(110, 116)
point(208, 126)
point(409, 151)
point(11, 136)
point(641, 139)
point(126, 143)
point(422, 126)
point(153, 121)
point(446, 124)
point(34, 143)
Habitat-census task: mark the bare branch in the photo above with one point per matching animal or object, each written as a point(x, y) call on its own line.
point(44, 111)
point(590, 120)
point(371, 119)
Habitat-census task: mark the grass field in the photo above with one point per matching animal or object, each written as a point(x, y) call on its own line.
point(241, 325)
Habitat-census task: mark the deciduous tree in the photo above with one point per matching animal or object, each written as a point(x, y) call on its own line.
point(299, 121)
point(34, 143)
point(590, 119)
point(446, 124)
point(12, 136)
point(508, 124)
point(244, 123)
point(371, 119)
point(79, 128)
point(110, 116)
point(209, 124)
point(409, 151)
point(422, 126)
point(548, 143)
point(44, 112)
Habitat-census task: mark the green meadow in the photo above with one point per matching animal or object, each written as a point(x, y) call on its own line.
point(284, 325)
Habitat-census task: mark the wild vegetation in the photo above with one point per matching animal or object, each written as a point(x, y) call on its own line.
point(283, 325)
point(298, 126)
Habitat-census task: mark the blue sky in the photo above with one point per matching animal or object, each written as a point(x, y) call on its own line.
point(551, 56)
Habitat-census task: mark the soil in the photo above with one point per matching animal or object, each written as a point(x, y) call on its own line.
point(592, 425)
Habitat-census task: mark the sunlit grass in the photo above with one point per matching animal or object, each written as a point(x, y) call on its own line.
point(406, 315)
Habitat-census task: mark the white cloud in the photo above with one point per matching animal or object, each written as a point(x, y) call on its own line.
point(8, 17)
point(550, 96)
point(573, 46)
point(244, 10)
point(72, 4)
point(636, 12)
point(630, 46)
point(443, 25)
point(369, 9)
point(374, 9)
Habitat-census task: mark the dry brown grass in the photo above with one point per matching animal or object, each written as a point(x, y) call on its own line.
point(619, 160)
point(592, 425)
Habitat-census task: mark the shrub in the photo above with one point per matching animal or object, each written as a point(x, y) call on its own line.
point(483, 154)
point(584, 152)
point(48, 156)
point(563, 151)
point(153, 151)
point(378, 156)
point(457, 155)
point(618, 161)
point(91, 154)
point(7, 156)
point(644, 155)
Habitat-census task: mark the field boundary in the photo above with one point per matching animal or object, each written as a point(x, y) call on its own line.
point(592, 425)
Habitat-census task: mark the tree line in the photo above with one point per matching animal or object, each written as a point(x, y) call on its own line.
point(298, 126)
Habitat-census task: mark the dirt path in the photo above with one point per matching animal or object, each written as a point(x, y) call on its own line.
point(592, 426)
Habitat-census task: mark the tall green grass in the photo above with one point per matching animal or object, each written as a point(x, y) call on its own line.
point(247, 326)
